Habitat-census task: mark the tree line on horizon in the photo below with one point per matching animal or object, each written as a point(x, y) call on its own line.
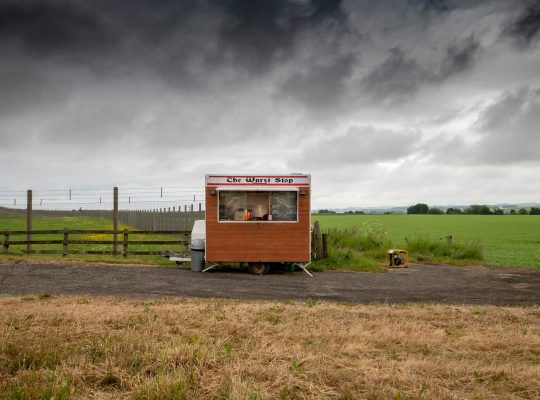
point(475, 209)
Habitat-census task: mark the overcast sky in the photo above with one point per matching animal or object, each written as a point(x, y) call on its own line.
point(383, 102)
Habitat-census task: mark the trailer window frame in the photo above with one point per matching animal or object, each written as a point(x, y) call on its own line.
point(268, 190)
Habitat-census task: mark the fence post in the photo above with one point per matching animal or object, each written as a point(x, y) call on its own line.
point(325, 245)
point(65, 243)
point(317, 241)
point(115, 221)
point(6, 242)
point(320, 255)
point(28, 221)
point(125, 252)
point(313, 242)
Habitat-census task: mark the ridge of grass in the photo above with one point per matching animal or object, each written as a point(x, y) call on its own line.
point(365, 249)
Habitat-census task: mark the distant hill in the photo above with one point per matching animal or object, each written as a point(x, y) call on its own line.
point(403, 209)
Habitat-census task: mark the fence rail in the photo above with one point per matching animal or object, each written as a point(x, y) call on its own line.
point(124, 242)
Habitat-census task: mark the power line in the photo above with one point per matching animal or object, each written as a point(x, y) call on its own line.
point(104, 189)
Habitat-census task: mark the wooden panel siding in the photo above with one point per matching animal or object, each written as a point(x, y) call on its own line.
point(257, 241)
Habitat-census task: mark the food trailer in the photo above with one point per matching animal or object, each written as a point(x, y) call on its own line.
point(258, 219)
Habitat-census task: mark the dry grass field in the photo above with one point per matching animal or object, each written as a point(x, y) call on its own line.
point(88, 347)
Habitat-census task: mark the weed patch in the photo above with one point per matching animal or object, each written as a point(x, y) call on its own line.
point(365, 249)
point(426, 249)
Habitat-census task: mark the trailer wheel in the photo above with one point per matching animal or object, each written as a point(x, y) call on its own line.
point(258, 268)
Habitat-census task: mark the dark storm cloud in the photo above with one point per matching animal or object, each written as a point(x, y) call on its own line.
point(177, 41)
point(49, 28)
point(21, 86)
point(361, 145)
point(396, 76)
point(508, 134)
point(438, 6)
point(258, 34)
point(321, 87)
point(459, 58)
point(510, 128)
point(525, 29)
point(53, 50)
point(246, 32)
point(400, 76)
point(442, 7)
point(64, 27)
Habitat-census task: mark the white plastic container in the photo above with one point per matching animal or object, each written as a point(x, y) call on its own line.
point(198, 244)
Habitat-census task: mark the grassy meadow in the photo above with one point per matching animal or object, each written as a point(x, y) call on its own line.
point(89, 223)
point(88, 347)
point(508, 240)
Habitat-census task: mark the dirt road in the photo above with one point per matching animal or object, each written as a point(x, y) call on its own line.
point(419, 283)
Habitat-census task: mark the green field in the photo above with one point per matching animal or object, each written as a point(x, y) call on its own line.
point(40, 223)
point(82, 223)
point(509, 240)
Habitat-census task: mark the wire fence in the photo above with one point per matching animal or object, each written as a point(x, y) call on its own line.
point(146, 208)
point(129, 198)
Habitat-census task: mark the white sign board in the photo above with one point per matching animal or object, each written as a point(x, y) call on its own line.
point(258, 180)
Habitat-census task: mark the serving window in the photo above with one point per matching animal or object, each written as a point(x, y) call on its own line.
point(251, 206)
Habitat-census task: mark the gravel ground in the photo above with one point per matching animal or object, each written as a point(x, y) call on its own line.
point(418, 283)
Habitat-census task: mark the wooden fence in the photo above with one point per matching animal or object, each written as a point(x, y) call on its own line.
point(66, 241)
point(319, 242)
